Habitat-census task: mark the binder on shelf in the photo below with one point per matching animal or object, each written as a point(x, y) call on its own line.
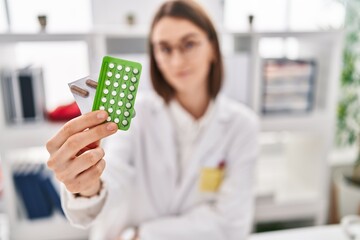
point(49, 190)
point(36, 191)
point(288, 86)
point(23, 95)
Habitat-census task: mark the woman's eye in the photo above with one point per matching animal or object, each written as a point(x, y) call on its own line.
point(189, 45)
point(165, 49)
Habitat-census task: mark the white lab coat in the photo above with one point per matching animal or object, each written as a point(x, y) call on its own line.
point(141, 178)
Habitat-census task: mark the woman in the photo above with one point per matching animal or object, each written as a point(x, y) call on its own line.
point(184, 170)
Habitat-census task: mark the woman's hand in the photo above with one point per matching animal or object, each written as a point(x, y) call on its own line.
point(76, 157)
point(134, 234)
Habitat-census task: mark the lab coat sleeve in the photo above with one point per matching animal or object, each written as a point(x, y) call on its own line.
point(80, 209)
point(230, 217)
point(82, 212)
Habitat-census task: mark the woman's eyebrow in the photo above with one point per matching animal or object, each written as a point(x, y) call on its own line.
point(189, 35)
point(161, 42)
point(185, 37)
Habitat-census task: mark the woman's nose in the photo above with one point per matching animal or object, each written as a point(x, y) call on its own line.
point(177, 59)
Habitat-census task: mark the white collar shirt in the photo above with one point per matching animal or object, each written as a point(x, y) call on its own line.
point(188, 131)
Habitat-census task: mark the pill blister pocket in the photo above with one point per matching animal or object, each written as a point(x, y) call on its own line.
point(116, 91)
point(84, 91)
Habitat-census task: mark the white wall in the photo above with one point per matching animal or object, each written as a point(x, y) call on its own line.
point(63, 15)
point(104, 14)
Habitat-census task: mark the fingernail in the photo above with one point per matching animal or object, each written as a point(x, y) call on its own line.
point(101, 115)
point(111, 126)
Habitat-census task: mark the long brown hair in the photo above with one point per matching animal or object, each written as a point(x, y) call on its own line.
point(191, 11)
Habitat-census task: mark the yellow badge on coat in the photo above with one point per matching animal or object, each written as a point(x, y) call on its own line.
point(211, 179)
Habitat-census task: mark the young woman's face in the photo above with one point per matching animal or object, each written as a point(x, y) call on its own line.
point(183, 54)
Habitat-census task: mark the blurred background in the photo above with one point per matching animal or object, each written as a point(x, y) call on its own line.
point(294, 62)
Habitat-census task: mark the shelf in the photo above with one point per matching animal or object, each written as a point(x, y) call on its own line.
point(42, 37)
point(328, 232)
point(34, 230)
point(297, 122)
point(123, 31)
point(127, 32)
point(299, 34)
point(18, 136)
point(292, 210)
point(71, 36)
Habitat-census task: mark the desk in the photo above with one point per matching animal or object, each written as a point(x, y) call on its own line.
point(329, 232)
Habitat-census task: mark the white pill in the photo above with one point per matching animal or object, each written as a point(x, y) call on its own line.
point(122, 95)
point(116, 84)
point(112, 101)
point(110, 110)
point(123, 86)
point(111, 65)
point(117, 76)
point(103, 99)
point(133, 79)
point(126, 77)
point(113, 93)
point(130, 96)
point(106, 91)
point(102, 108)
point(118, 112)
point(127, 69)
point(107, 83)
point(128, 105)
point(119, 67)
point(120, 103)
point(132, 88)
point(135, 71)
point(124, 122)
point(126, 114)
point(109, 74)
point(108, 119)
point(116, 120)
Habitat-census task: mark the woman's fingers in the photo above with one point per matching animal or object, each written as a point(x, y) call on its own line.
point(88, 166)
point(70, 169)
point(74, 126)
point(87, 179)
point(75, 155)
point(94, 144)
point(85, 161)
point(88, 147)
point(78, 141)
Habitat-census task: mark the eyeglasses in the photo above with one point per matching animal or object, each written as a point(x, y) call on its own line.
point(187, 49)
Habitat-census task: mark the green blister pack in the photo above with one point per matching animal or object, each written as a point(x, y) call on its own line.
point(116, 91)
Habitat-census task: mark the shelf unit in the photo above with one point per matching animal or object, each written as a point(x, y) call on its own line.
point(306, 140)
point(286, 193)
point(19, 138)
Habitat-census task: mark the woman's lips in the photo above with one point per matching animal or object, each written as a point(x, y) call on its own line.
point(182, 74)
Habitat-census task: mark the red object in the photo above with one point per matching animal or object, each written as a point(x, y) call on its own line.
point(222, 165)
point(64, 113)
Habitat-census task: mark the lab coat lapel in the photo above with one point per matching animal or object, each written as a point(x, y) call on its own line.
point(209, 139)
point(163, 146)
point(166, 142)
